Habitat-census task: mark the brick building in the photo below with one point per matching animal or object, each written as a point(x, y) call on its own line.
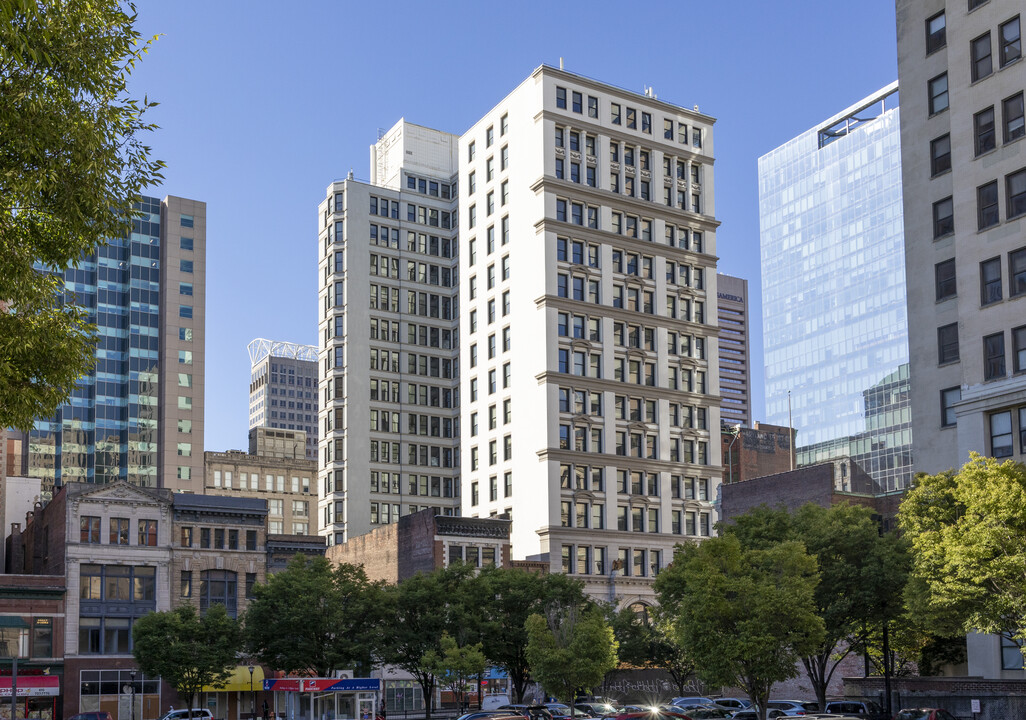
point(32, 629)
point(826, 484)
point(756, 451)
point(282, 548)
point(423, 542)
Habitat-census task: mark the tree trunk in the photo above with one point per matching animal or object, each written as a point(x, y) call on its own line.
point(887, 668)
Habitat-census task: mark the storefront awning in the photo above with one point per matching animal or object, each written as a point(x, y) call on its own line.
point(32, 686)
point(238, 681)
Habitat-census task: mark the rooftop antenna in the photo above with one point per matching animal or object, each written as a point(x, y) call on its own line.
point(560, 62)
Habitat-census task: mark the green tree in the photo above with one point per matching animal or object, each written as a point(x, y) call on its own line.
point(422, 609)
point(746, 615)
point(570, 647)
point(454, 666)
point(315, 618)
point(504, 599)
point(968, 537)
point(862, 575)
point(187, 650)
point(647, 639)
point(72, 161)
point(669, 654)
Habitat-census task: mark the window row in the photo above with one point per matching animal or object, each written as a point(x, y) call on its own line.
point(988, 213)
point(490, 241)
point(493, 452)
point(507, 416)
point(118, 583)
point(474, 555)
point(120, 531)
point(582, 515)
point(493, 489)
point(434, 188)
point(1002, 435)
point(995, 364)
point(220, 538)
point(1009, 49)
point(272, 483)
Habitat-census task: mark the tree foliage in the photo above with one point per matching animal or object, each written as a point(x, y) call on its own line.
point(746, 615)
point(315, 618)
point(187, 650)
point(862, 574)
point(504, 598)
point(72, 161)
point(422, 609)
point(648, 640)
point(454, 666)
point(570, 648)
point(968, 535)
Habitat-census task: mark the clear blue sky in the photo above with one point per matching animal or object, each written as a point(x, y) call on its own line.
point(264, 103)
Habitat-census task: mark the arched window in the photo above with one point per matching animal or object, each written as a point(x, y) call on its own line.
point(219, 586)
point(640, 611)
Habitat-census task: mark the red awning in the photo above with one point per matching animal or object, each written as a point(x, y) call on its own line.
point(32, 686)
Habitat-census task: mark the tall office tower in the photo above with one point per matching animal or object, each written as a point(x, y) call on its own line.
point(835, 334)
point(283, 389)
point(735, 359)
point(589, 382)
point(389, 337)
point(138, 416)
point(962, 128)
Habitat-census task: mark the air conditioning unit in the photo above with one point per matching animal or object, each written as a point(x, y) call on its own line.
point(343, 674)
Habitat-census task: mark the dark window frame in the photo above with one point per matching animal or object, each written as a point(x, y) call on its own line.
point(988, 206)
point(943, 225)
point(945, 405)
point(1009, 105)
point(940, 162)
point(934, 96)
point(994, 366)
point(947, 344)
point(984, 131)
point(945, 283)
point(1015, 202)
point(936, 39)
point(981, 65)
point(990, 281)
point(1017, 272)
point(1009, 50)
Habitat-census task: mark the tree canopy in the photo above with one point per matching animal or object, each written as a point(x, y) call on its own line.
point(315, 618)
point(504, 598)
point(570, 648)
point(187, 650)
point(72, 161)
point(968, 535)
point(454, 666)
point(746, 615)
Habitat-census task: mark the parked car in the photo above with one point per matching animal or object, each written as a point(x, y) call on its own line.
point(754, 714)
point(923, 714)
point(101, 715)
point(733, 703)
point(709, 713)
point(489, 715)
point(197, 714)
point(650, 715)
point(866, 709)
point(794, 707)
point(565, 712)
point(696, 700)
point(531, 712)
point(597, 709)
point(491, 702)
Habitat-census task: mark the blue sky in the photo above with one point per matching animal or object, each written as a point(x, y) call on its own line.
point(265, 103)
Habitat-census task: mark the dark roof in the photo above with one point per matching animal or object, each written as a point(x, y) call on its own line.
point(220, 504)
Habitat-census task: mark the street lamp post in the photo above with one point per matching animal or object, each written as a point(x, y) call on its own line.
point(132, 712)
point(252, 698)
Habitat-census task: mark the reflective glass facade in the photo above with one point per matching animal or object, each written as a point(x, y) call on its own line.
point(833, 280)
point(109, 427)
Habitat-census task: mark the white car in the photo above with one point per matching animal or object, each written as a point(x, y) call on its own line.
point(197, 714)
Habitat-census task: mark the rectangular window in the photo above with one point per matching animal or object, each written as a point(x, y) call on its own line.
point(1011, 41)
point(984, 131)
point(980, 57)
point(936, 36)
point(940, 155)
point(90, 529)
point(561, 97)
point(948, 398)
point(119, 531)
point(1017, 272)
point(577, 102)
point(944, 273)
point(987, 212)
point(592, 106)
point(994, 356)
point(1012, 117)
point(990, 281)
point(614, 113)
point(1015, 191)
point(943, 218)
point(938, 93)
point(1001, 434)
point(1019, 350)
point(947, 343)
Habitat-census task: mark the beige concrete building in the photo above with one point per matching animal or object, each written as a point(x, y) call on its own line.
point(269, 473)
point(964, 174)
point(735, 355)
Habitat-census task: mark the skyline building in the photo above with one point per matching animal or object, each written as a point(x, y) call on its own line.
point(835, 334)
point(138, 415)
point(965, 197)
point(962, 128)
point(589, 382)
point(735, 351)
point(389, 337)
point(283, 389)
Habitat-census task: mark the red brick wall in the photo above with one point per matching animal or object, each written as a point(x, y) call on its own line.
point(758, 451)
point(377, 551)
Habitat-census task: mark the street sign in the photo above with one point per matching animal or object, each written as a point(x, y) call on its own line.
point(974, 706)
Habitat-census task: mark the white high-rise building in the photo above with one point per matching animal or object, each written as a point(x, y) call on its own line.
point(589, 384)
point(388, 337)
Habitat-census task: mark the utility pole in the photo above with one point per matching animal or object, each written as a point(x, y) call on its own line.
point(790, 432)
